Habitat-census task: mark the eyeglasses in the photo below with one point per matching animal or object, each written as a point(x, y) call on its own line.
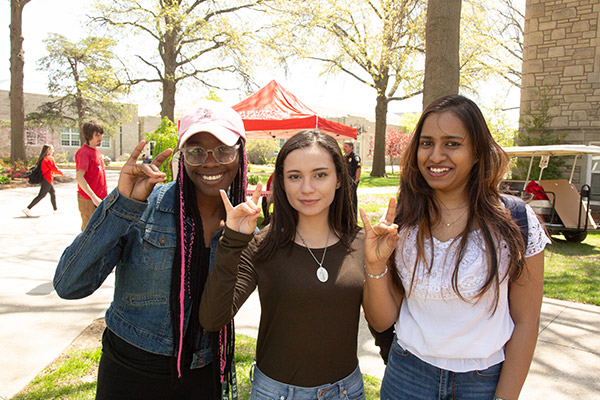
point(196, 155)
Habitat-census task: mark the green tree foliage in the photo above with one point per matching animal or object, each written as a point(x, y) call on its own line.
point(535, 132)
point(165, 137)
point(261, 151)
point(379, 43)
point(84, 83)
point(202, 40)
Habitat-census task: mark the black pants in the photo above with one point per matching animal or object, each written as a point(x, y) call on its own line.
point(44, 190)
point(354, 195)
point(117, 382)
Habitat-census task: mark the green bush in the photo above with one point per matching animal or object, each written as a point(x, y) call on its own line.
point(4, 180)
point(61, 158)
point(260, 151)
point(165, 137)
point(253, 179)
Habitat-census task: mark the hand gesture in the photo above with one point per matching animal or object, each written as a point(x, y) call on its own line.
point(242, 218)
point(136, 181)
point(381, 238)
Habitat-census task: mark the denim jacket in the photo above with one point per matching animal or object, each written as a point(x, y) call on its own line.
point(139, 238)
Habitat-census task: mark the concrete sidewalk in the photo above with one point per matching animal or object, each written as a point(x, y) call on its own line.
point(36, 325)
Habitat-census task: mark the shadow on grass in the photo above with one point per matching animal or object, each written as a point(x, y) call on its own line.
point(562, 247)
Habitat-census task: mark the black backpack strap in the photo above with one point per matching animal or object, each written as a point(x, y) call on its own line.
point(518, 213)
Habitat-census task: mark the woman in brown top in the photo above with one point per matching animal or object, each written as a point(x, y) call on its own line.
point(308, 266)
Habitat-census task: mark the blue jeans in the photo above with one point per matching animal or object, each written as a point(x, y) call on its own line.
point(409, 377)
point(265, 388)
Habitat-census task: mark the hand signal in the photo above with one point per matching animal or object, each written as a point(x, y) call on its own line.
point(136, 181)
point(381, 238)
point(242, 218)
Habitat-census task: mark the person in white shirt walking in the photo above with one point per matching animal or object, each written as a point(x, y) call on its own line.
point(464, 289)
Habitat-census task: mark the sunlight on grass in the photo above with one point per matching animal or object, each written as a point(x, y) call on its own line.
point(74, 377)
point(572, 270)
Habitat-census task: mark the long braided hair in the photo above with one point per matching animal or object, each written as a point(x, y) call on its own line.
point(189, 274)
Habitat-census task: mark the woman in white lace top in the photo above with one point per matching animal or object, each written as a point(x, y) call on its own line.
point(465, 291)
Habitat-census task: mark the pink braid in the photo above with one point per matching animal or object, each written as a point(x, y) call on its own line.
point(182, 278)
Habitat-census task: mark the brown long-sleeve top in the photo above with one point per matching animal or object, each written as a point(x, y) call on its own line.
point(308, 329)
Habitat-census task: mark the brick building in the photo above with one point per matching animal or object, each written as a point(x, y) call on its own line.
point(67, 139)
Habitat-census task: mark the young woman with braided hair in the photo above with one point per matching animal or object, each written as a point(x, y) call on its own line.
point(159, 239)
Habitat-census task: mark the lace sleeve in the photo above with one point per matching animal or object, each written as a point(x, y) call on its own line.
point(537, 237)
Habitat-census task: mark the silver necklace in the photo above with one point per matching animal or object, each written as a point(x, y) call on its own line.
point(459, 217)
point(322, 273)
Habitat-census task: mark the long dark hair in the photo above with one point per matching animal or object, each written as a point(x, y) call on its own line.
point(284, 219)
point(417, 206)
point(43, 153)
point(190, 273)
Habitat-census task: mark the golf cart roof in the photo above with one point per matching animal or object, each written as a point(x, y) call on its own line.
point(555, 149)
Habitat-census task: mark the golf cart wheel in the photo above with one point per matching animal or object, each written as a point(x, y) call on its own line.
point(574, 236)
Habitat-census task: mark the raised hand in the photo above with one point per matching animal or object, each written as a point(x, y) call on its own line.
point(242, 218)
point(380, 239)
point(136, 181)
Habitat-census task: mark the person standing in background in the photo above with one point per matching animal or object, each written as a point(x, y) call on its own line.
point(90, 174)
point(49, 169)
point(354, 167)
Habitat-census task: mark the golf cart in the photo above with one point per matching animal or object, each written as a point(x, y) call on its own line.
point(560, 205)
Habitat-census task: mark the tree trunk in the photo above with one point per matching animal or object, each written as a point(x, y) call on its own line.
point(380, 126)
point(169, 57)
point(442, 37)
point(17, 62)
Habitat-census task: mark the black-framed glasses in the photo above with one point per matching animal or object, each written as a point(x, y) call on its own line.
point(196, 155)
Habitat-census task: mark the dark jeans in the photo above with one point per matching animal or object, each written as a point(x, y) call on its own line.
point(44, 190)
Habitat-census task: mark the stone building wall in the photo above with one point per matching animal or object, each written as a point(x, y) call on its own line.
point(561, 68)
point(561, 63)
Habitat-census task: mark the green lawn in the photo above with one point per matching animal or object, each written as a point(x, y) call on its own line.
point(74, 376)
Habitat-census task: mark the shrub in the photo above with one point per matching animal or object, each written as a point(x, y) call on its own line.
point(165, 137)
point(4, 180)
point(253, 179)
point(61, 158)
point(260, 151)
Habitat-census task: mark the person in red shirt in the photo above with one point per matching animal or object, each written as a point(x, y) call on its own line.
point(49, 169)
point(90, 174)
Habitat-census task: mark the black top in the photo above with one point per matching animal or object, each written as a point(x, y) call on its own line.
point(353, 163)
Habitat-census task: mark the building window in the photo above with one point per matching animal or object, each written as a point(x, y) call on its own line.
point(69, 137)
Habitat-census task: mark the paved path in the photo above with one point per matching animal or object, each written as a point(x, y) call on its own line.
point(36, 325)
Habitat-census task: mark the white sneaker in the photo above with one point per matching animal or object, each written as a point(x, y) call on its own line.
point(26, 212)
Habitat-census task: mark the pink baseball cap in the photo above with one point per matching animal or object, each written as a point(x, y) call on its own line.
point(221, 121)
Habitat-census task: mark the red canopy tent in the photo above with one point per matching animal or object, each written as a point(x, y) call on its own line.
point(273, 112)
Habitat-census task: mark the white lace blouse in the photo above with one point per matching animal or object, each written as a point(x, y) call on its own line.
point(434, 323)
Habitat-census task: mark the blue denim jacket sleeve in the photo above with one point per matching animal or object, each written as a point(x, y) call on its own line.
point(86, 263)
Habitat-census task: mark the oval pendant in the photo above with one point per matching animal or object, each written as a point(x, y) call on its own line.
point(322, 274)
